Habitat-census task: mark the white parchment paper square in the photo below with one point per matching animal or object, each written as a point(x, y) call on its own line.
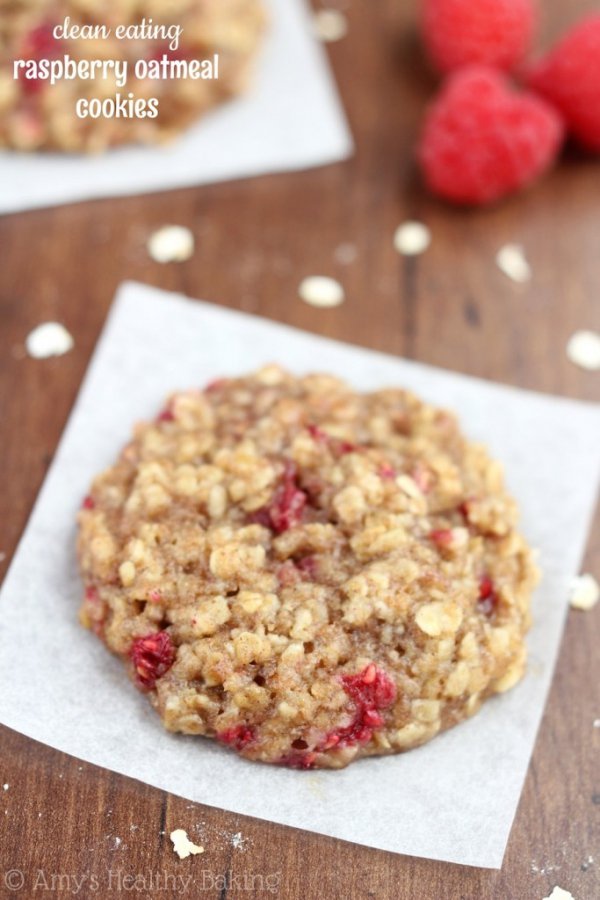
point(453, 799)
point(290, 118)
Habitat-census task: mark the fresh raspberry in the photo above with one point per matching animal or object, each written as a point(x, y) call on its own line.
point(482, 140)
point(152, 656)
point(569, 77)
point(39, 43)
point(496, 33)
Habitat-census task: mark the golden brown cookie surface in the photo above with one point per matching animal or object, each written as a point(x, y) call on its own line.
point(306, 573)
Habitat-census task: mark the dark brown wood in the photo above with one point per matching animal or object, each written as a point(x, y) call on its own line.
point(452, 307)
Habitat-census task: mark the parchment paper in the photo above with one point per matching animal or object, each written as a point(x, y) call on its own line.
point(453, 799)
point(290, 119)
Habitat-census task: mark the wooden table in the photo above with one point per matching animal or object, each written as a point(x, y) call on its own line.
point(452, 307)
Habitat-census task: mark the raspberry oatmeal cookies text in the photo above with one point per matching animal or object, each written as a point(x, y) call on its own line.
point(35, 116)
point(304, 573)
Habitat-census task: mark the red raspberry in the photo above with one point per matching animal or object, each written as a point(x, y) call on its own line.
point(488, 597)
point(152, 656)
point(496, 33)
point(482, 140)
point(569, 77)
point(287, 506)
point(372, 690)
point(238, 736)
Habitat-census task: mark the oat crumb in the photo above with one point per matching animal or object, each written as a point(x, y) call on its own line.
point(511, 260)
point(48, 339)
point(321, 291)
point(559, 894)
point(330, 25)
point(345, 254)
point(412, 238)
point(182, 845)
point(5, 787)
point(173, 243)
point(585, 592)
point(583, 349)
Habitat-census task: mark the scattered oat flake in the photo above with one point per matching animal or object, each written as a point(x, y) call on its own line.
point(412, 238)
point(330, 25)
point(5, 787)
point(585, 592)
point(596, 723)
point(321, 291)
point(511, 260)
point(345, 254)
point(583, 349)
point(559, 894)
point(182, 845)
point(48, 339)
point(173, 243)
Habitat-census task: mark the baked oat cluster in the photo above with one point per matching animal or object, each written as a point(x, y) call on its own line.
point(37, 116)
point(305, 573)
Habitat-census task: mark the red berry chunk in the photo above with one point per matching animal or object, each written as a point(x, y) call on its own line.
point(167, 415)
point(487, 595)
point(39, 44)
point(386, 471)
point(152, 656)
point(372, 690)
point(483, 140)
point(569, 77)
point(238, 736)
point(443, 537)
point(462, 32)
point(88, 503)
point(288, 503)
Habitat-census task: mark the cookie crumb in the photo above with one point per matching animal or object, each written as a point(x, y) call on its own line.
point(321, 291)
point(172, 243)
point(583, 349)
point(412, 238)
point(330, 25)
point(48, 339)
point(182, 845)
point(511, 260)
point(585, 592)
point(560, 894)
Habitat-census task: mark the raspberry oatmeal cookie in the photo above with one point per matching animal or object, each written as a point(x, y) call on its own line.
point(305, 573)
point(36, 116)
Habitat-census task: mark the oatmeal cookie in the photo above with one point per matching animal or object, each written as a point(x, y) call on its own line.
point(37, 116)
point(305, 573)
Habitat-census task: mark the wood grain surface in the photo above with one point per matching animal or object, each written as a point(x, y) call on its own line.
point(451, 307)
